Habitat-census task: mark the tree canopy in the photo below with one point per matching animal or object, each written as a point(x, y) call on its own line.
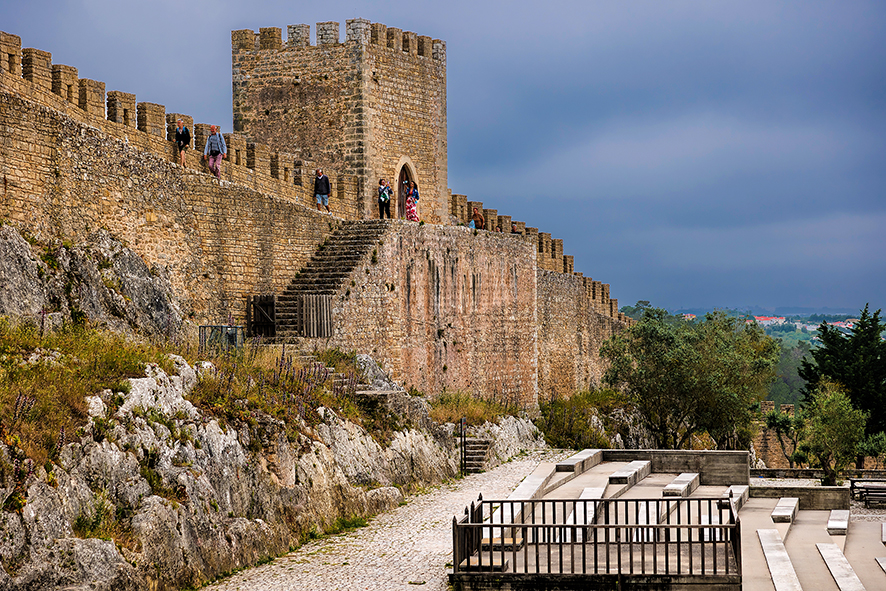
point(857, 362)
point(685, 379)
point(834, 430)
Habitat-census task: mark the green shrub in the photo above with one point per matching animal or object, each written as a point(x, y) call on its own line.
point(569, 422)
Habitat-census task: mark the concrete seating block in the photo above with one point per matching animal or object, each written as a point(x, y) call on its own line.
point(582, 461)
point(781, 570)
point(838, 522)
point(882, 562)
point(840, 568)
point(740, 494)
point(682, 485)
point(584, 513)
point(785, 510)
point(632, 473)
point(473, 563)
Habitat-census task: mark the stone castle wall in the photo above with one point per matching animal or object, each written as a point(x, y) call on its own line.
point(64, 179)
point(575, 316)
point(444, 308)
point(366, 106)
point(471, 310)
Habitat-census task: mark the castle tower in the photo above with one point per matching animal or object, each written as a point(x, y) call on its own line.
point(373, 106)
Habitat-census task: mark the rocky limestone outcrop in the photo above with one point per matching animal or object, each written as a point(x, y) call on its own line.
point(101, 280)
point(157, 495)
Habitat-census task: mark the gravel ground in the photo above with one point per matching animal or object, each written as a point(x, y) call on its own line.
point(857, 510)
point(408, 548)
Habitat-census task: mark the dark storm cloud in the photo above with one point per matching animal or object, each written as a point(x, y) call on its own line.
point(689, 153)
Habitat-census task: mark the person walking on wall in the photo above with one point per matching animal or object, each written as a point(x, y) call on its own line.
point(182, 140)
point(412, 202)
point(215, 151)
point(384, 199)
point(478, 220)
point(321, 190)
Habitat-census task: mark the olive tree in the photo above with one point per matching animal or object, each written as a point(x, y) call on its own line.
point(834, 430)
point(686, 379)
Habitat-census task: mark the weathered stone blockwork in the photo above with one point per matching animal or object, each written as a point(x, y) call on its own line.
point(218, 243)
point(571, 328)
point(442, 307)
point(368, 106)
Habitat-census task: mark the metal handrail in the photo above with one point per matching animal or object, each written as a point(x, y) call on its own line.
point(699, 536)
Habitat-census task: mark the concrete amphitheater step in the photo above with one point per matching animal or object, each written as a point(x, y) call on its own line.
point(840, 568)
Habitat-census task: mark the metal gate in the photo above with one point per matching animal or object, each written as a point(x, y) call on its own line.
point(261, 316)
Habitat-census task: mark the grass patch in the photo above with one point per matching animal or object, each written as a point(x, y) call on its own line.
point(103, 521)
point(258, 379)
point(346, 524)
point(575, 422)
point(45, 378)
point(450, 407)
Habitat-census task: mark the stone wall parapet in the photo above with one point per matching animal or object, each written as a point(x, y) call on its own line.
point(147, 126)
point(359, 31)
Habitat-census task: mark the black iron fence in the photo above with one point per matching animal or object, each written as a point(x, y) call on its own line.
point(463, 439)
point(697, 536)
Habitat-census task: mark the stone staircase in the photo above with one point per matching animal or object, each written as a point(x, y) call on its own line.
point(475, 455)
point(329, 268)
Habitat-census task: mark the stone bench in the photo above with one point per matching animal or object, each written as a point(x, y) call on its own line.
point(582, 461)
point(473, 563)
point(532, 487)
point(781, 570)
point(632, 473)
point(580, 517)
point(785, 510)
point(838, 522)
point(740, 494)
point(682, 485)
point(840, 568)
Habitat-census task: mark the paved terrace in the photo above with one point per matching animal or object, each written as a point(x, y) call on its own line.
point(788, 540)
point(411, 547)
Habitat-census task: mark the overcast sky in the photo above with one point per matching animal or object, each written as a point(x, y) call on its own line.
point(689, 153)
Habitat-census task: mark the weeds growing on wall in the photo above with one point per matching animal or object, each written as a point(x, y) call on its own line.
point(44, 379)
point(450, 407)
point(276, 383)
point(574, 422)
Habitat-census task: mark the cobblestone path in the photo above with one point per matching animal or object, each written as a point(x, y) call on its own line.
point(407, 548)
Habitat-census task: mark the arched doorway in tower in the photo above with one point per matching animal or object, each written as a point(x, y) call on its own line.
point(402, 185)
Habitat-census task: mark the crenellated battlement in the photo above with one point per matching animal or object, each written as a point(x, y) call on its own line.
point(285, 173)
point(30, 73)
point(550, 255)
point(358, 31)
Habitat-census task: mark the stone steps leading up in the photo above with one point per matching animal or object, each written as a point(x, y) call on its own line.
point(329, 269)
point(475, 455)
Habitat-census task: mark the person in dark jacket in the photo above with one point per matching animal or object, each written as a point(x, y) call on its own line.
point(182, 140)
point(384, 199)
point(321, 190)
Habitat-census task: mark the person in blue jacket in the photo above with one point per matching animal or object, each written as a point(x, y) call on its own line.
point(215, 151)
